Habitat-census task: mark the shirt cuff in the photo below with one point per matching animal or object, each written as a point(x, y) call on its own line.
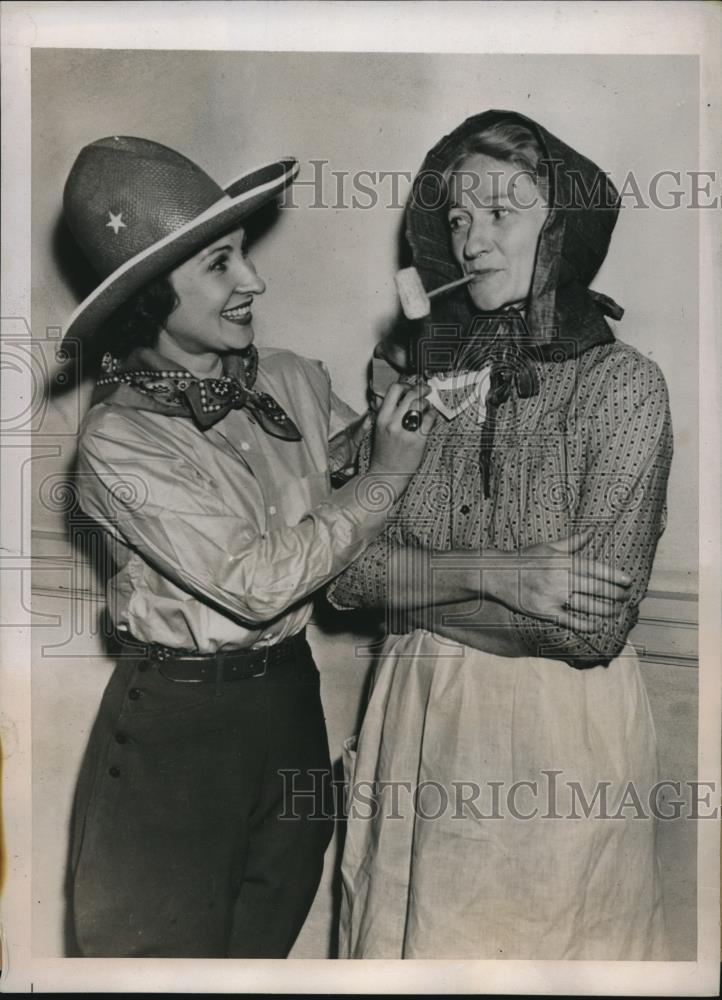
point(368, 500)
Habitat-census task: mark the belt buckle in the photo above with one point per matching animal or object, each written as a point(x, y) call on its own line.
point(161, 655)
point(266, 654)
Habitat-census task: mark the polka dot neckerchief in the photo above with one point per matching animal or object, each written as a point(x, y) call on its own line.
point(179, 393)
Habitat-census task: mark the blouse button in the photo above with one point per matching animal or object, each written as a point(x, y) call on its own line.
point(134, 694)
point(245, 446)
point(466, 509)
point(271, 509)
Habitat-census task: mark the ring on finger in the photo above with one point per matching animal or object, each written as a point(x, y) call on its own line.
point(411, 420)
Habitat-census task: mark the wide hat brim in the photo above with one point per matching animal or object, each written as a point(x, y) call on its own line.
point(243, 197)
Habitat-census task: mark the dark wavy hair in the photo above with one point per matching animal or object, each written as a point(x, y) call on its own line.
point(137, 322)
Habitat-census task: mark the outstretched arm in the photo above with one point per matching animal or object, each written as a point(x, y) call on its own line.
point(229, 557)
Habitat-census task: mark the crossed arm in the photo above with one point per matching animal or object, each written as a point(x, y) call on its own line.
point(575, 599)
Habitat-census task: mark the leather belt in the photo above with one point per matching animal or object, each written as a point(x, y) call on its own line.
point(186, 667)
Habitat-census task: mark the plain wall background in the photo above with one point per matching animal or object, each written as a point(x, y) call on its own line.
point(330, 292)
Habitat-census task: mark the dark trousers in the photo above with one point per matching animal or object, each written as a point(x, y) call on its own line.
point(188, 841)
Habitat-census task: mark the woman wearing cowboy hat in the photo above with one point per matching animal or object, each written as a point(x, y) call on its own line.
point(206, 461)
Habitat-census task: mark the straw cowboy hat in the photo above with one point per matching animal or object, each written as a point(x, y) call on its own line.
point(138, 209)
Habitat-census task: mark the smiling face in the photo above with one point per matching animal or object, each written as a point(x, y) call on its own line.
point(215, 289)
point(496, 213)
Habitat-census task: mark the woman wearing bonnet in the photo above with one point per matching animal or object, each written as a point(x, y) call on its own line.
point(508, 733)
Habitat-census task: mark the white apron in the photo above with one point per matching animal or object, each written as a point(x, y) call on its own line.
point(458, 873)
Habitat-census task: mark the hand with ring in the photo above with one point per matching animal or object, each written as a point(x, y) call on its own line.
point(401, 430)
point(563, 583)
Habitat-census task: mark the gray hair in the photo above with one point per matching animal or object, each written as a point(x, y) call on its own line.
point(506, 141)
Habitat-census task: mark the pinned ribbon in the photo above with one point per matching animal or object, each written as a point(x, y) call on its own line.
point(477, 382)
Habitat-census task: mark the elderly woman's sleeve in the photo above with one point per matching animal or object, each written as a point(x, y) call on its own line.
point(621, 499)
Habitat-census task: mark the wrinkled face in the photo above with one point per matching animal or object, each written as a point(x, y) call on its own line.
point(496, 214)
point(216, 289)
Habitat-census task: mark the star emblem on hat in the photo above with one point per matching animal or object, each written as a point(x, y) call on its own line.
point(116, 222)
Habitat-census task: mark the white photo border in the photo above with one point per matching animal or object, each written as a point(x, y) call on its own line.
point(627, 28)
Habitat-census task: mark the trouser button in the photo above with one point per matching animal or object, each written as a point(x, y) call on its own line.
point(134, 694)
point(121, 738)
point(114, 772)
